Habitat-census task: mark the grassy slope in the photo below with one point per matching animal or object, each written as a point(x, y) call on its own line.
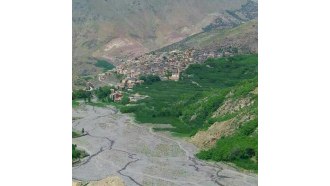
point(241, 147)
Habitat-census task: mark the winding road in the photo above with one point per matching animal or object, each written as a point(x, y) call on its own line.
point(120, 147)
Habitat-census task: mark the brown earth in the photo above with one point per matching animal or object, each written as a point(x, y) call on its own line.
point(206, 139)
point(109, 181)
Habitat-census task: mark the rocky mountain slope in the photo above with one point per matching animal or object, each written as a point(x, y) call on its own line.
point(237, 110)
point(127, 28)
point(239, 39)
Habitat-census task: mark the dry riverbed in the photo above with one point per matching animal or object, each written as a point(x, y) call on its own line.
point(133, 152)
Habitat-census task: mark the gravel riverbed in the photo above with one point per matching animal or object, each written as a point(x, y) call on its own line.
point(138, 155)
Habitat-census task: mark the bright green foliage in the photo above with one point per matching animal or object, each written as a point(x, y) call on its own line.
point(75, 152)
point(223, 72)
point(129, 109)
point(240, 148)
point(124, 100)
point(188, 103)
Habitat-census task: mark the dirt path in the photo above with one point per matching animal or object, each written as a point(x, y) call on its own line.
point(140, 156)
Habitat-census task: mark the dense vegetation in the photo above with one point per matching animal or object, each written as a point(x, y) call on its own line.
point(149, 79)
point(104, 64)
point(188, 103)
point(240, 148)
point(77, 154)
point(81, 94)
point(103, 93)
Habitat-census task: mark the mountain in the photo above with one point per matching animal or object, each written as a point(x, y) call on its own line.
point(239, 39)
point(128, 28)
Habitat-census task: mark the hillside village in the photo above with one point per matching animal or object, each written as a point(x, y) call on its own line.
point(166, 65)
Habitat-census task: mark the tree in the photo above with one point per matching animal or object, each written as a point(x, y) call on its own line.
point(149, 79)
point(168, 74)
point(75, 153)
point(88, 95)
point(79, 94)
point(103, 92)
point(125, 100)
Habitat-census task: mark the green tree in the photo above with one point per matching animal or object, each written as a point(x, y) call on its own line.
point(149, 79)
point(125, 100)
point(168, 74)
point(103, 92)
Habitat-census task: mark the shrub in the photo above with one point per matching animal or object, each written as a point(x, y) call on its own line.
point(149, 79)
point(124, 100)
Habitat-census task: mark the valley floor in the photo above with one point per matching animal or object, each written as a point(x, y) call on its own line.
point(120, 147)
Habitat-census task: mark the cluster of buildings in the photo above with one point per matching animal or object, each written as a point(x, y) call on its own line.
point(166, 65)
point(129, 83)
point(116, 95)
